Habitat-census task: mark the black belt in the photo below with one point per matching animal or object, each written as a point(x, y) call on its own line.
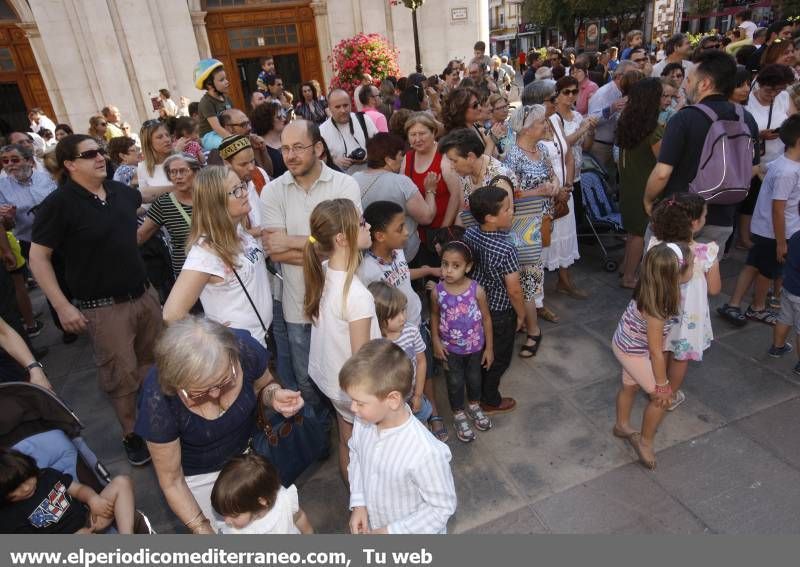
point(604, 143)
point(106, 301)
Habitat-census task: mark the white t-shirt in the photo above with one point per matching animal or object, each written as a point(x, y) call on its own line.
point(780, 112)
point(226, 301)
point(330, 334)
point(659, 67)
point(782, 183)
point(341, 141)
point(287, 206)
point(395, 274)
point(279, 520)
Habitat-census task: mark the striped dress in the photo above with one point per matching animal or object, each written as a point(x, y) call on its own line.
point(631, 334)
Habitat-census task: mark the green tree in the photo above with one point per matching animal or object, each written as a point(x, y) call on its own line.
point(566, 15)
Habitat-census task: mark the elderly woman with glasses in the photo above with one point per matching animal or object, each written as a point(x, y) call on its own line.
point(225, 266)
point(197, 409)
point(501, 135)
point(578, 133)
point(173, 210)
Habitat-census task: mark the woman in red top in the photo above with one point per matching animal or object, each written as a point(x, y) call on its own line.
point(430, 172)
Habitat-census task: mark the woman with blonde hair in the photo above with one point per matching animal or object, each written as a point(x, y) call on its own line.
point(339, 306)
point(156, 148)
point(97, 129)
point(225, 266)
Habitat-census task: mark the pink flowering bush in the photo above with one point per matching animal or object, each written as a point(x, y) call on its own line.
point(363, 53)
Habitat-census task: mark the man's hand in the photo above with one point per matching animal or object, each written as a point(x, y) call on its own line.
point(619, 104)
point(782, 249)
point(343, 162)
point(9, 260)
point(359, 520)
point(257, 142)
point(488, 358)
point(101, 507)
point(768, 135)
point(275, 242)
point(72, 320)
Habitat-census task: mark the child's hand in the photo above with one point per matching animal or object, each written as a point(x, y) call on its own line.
point(783, 249)
point(416, 403)
point(520, 323)
point(438, 351)
point(429, 286)
point(359, 520)
point(488, 358)
point(434, 272)
point(99, 506)
point(662, 400)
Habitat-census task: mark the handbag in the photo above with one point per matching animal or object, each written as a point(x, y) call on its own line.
point(291, 444)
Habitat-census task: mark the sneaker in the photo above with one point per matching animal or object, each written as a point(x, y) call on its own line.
point(762, 316)
point(773, 303)
point(680, 397)
point(479, 419)
point(136, 449)
point(36, 330)
point(777, 352)
point(796, 369)
point(463, 430)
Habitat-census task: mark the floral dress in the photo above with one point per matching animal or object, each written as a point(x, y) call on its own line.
point(691, 332)
point(460, 320)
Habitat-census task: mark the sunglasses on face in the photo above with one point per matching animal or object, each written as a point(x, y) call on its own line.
point(712, 46)
point(639, 60)
point(244, 124)
point(199, 396)
point(475, 105)
point(569, 92)
point(12, 161)
point(91, 154)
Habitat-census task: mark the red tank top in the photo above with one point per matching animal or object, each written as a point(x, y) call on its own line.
point(442, 193)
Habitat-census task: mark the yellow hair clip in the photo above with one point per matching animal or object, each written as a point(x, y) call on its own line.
point(312, 240)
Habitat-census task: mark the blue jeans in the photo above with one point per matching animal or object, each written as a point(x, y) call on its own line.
point(299, 346)
point(283, 355)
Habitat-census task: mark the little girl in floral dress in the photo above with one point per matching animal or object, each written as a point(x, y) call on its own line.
point(678, 219)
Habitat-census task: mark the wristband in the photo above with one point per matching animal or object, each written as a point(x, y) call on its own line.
point(34, 364)
point(663, 388)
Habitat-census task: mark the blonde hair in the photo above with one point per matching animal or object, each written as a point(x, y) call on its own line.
point(495, 98)
point(328, 219)
point(380, 367)
point(423, 119)
point(93, 121)
point(526, 115)
point(189, 350)
point(146, 136)
point(210, 219)
point(389, 302)
point(658, 292)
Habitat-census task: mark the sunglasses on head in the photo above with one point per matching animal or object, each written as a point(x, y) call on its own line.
point(91, 154)
point(150, 123)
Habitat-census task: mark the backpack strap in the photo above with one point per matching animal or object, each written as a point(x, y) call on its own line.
point(707, 110)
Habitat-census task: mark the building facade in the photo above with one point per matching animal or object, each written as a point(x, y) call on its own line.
point(73, 57)
point(505, 16)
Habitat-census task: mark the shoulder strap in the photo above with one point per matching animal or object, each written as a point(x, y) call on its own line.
point(705, 109)
point(363, 123)
point(180, 208)
point(250, 299)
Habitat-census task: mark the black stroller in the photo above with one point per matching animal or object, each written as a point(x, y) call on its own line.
point(28, 411)
point(602, 215)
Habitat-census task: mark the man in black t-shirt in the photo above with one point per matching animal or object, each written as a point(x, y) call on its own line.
point(710, 81)
point(91, 222)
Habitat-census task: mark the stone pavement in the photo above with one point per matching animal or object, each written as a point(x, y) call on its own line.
point(728, 458)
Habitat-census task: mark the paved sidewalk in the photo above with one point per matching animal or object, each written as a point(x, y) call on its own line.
point(728, 458)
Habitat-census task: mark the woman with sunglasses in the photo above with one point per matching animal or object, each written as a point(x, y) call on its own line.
point(97, 129)
point(463, 109)
point(198, 410)
point(578, 132)
point(225, 266)
point(156, 147)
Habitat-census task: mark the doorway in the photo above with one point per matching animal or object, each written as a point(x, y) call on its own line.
point(286, 65)
point(13, 112)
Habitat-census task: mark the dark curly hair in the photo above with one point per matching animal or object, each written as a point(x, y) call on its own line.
point(672, 218)
point(454, 109)
point(262, 118)
point(640, 115)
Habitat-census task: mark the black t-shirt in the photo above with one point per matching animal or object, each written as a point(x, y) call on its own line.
point(682, 145)
point(96, 240)
point(49, 511)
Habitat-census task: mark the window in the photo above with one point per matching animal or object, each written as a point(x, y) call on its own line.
point(253, 38)
point(6, 61)
point(211, 4)
point(7, 12)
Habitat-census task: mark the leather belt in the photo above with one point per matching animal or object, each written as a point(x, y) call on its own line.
point(106, 301)
point(604, 143)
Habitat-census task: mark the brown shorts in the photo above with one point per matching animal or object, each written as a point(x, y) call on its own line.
point(123, 336)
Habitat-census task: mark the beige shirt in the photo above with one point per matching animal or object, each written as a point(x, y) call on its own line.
point(287, 206)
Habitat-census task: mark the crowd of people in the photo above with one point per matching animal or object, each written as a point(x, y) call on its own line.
point(318, 267)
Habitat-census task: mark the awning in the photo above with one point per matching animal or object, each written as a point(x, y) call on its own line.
point(503, 37)
point(727, 11)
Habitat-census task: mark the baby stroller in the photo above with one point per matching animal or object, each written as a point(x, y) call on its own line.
point(601, 214)
point(37, 423)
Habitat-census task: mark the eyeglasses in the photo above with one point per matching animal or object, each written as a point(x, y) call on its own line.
point(239, 191)
point(179, 172)
point(569, 92)
point(12, 161)
point(91, 154)
point(712, 46)
point(501, 107)
point(199, 396)
point(296, 149)
point(475, 105)
point(244, 124)
point(639, 60)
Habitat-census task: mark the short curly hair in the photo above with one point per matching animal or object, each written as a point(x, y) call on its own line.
point(672, 218)
point(456, 104)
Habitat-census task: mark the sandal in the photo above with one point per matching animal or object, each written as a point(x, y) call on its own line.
point(547, 315)
point(762, 316)
point(479, 419)
point(732, 314)
point(529, 351)
point(439, 432)
point(774, 303)
point(463, 430)
point(635, 440)
point(572, 292)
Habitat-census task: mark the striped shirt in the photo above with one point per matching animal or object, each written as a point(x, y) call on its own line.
point(402, 475)
point(495, 257)
point(410, 340)
point(631, 334)
point(163, 213)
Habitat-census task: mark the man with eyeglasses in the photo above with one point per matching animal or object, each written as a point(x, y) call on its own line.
point(346, 133)
point(91, 222)
point(26, 140)
point(113, 122)
point(678, 50)
point(275, 92)
point(237, 123)
point(640, 59)
point(287, 203)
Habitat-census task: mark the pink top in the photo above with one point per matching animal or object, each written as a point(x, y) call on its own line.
point(378, 118)
point(585, 91)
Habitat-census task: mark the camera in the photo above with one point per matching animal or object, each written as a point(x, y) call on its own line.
point(357, 154)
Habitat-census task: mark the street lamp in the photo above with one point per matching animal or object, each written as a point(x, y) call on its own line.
point(413, 5)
